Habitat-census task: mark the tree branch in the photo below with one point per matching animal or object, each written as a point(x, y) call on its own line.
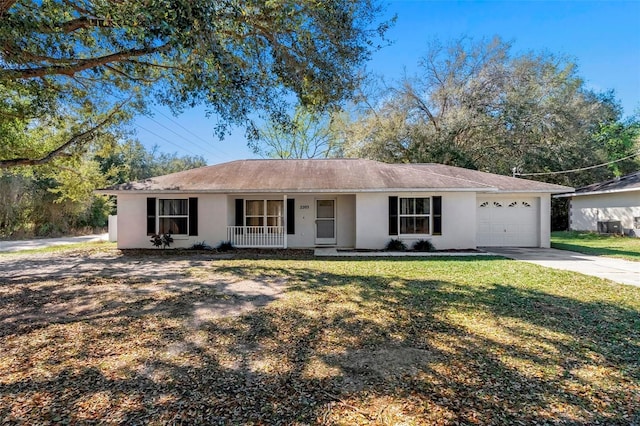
point(84, 22)
point(58, 152)
point(5, 5)
point(79, 65)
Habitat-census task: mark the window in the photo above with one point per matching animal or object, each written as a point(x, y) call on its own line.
point(254, 213)
point(414, 215)
point(262, 213)
point(173, 216)
point(275, 212)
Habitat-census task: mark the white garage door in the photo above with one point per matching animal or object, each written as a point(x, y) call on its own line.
point(508, 222)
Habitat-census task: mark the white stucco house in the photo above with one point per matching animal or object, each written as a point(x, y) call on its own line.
point(343, 203)
point(609, 207)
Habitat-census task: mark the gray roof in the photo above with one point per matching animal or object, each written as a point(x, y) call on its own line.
point(630, 182)
point(331, 175)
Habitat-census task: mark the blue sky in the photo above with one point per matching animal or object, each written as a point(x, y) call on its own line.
point(602, 37)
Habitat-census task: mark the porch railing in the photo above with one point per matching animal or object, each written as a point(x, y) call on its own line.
point(256, 236)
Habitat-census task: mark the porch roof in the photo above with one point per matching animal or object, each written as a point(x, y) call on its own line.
point(330, 175)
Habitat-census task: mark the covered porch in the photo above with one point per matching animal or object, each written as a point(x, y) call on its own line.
point(257, 236)
point(291, 220)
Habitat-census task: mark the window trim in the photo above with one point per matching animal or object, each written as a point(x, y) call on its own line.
point(429, 216)
point(160, 216)
point(265, 213)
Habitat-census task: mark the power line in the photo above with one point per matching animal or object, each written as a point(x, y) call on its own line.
point(166, 140)
point(184, 137)
point(179, 135)
point(189, 131)
point(576, 170)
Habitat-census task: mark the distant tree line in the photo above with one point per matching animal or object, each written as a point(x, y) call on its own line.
point(59, 200)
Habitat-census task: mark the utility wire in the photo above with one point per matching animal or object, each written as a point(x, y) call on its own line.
point(166, 140)
point(184, 137)
point(189, 131)
point(577, 170)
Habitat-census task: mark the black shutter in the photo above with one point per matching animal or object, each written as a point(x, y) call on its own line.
point(151, 216)
point(193, 216)
point(291, 216)
point(239, 212)
point(393, 215)
point(437, 216)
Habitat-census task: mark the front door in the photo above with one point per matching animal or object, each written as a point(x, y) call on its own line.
point(325, 221)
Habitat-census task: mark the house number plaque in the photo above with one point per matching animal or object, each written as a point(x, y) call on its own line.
point(304, 207)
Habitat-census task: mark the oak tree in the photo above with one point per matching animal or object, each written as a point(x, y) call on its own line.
point(79, 65)
point(482, 106)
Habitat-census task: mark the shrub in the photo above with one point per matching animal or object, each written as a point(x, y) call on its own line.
point(225, 246)
point(200, 246)
point(163, 240)
point(395, 245)
point(423, 245)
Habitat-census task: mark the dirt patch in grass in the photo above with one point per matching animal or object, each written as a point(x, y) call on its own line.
point(102, 337)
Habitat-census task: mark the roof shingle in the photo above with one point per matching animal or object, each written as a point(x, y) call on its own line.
point(628, 182)
point(330, 175)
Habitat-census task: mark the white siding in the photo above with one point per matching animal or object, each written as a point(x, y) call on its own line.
point(587, 210)
point(305, 220)
point(458, 220)
point(132, 220)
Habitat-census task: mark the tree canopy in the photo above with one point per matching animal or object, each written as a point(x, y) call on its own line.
point(78, 65)
point(304, 135)
point(481, 106)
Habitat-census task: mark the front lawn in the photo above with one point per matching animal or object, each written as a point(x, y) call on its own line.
point(599, 245)
point(174, 339)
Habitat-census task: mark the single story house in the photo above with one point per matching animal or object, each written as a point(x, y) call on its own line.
point(609, 207)
point(343, 203)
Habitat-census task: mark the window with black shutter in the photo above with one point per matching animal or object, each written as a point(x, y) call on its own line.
point(151, 216)
point(291, 216)
point(193, 216)
point(393, 215)
point(437, 215)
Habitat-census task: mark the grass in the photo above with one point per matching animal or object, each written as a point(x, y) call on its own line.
point(384, 341)
point(599, 245)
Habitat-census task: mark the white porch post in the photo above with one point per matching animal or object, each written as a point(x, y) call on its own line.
point(284, 204)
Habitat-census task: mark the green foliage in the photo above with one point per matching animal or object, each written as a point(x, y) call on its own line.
point(423, 245)
point(57, 198)
point(64, 62)
point(305, 135)
point(621, 139)
point(200, 246)
point(395, 244)
point(225, 246)
point(164, 240)
point(130, 161)
point(479, 105)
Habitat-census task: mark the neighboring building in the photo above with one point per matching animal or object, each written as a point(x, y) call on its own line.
point(349, 203)
point(609, 207)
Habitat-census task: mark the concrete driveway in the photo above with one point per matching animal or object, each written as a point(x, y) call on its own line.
point(48, 242)
point(618, 270)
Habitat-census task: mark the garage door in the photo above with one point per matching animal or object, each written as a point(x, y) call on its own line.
point(508, 222)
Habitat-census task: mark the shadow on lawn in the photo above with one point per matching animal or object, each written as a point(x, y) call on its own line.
point(343, 348)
